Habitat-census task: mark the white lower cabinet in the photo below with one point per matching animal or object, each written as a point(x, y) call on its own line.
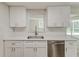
point(19, 52)
point(41, 52)
point(9, 52)
point(29, 52)
point(13, 52)
point(35, 52)
point(35, 48)
point(70, 48)
point(25, 48)
point(13, 49)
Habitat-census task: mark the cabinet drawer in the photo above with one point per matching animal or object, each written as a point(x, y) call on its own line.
point(35, 44)
point(28, 44)
point(40, 44)
point(13, 43)
point(70, 43)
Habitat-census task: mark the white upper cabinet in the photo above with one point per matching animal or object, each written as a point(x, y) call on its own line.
point(17, 17)
point(58, 16)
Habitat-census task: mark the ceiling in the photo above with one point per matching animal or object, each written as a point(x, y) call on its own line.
point(41, 5)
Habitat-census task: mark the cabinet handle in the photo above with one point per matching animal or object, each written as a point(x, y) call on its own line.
point(66, 49)
point(14, 49)
point(11, 49)
point(36, 49)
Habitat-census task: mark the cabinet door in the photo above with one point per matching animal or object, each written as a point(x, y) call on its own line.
point(18, 52)
point(58, 16)
point(13, 48)
point(41, 52)
point(9, 52)
point(29, 52)
point(70, 48)
point(40, 43)
point(14, 52)
point(17, 17)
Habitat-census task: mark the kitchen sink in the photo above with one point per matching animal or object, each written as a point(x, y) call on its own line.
point(35, 37)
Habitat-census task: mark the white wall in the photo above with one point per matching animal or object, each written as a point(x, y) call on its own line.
point(4, 24)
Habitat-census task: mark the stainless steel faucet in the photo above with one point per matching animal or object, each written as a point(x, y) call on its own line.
point(35, 37)
point(36, 33)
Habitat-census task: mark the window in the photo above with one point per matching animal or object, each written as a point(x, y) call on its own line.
point(74, 29)
point(36, 20)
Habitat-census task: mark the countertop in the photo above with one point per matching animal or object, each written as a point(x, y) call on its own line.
point(45, 38)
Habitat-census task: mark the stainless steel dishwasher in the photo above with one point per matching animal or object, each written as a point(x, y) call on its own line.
point(56, 49)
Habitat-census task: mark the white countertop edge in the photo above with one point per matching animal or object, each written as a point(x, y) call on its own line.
point(31, 39)
point(47, 38)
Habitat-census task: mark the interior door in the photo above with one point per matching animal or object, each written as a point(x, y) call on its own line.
point(29, 52)
point(41, 52)
point(70, 48)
